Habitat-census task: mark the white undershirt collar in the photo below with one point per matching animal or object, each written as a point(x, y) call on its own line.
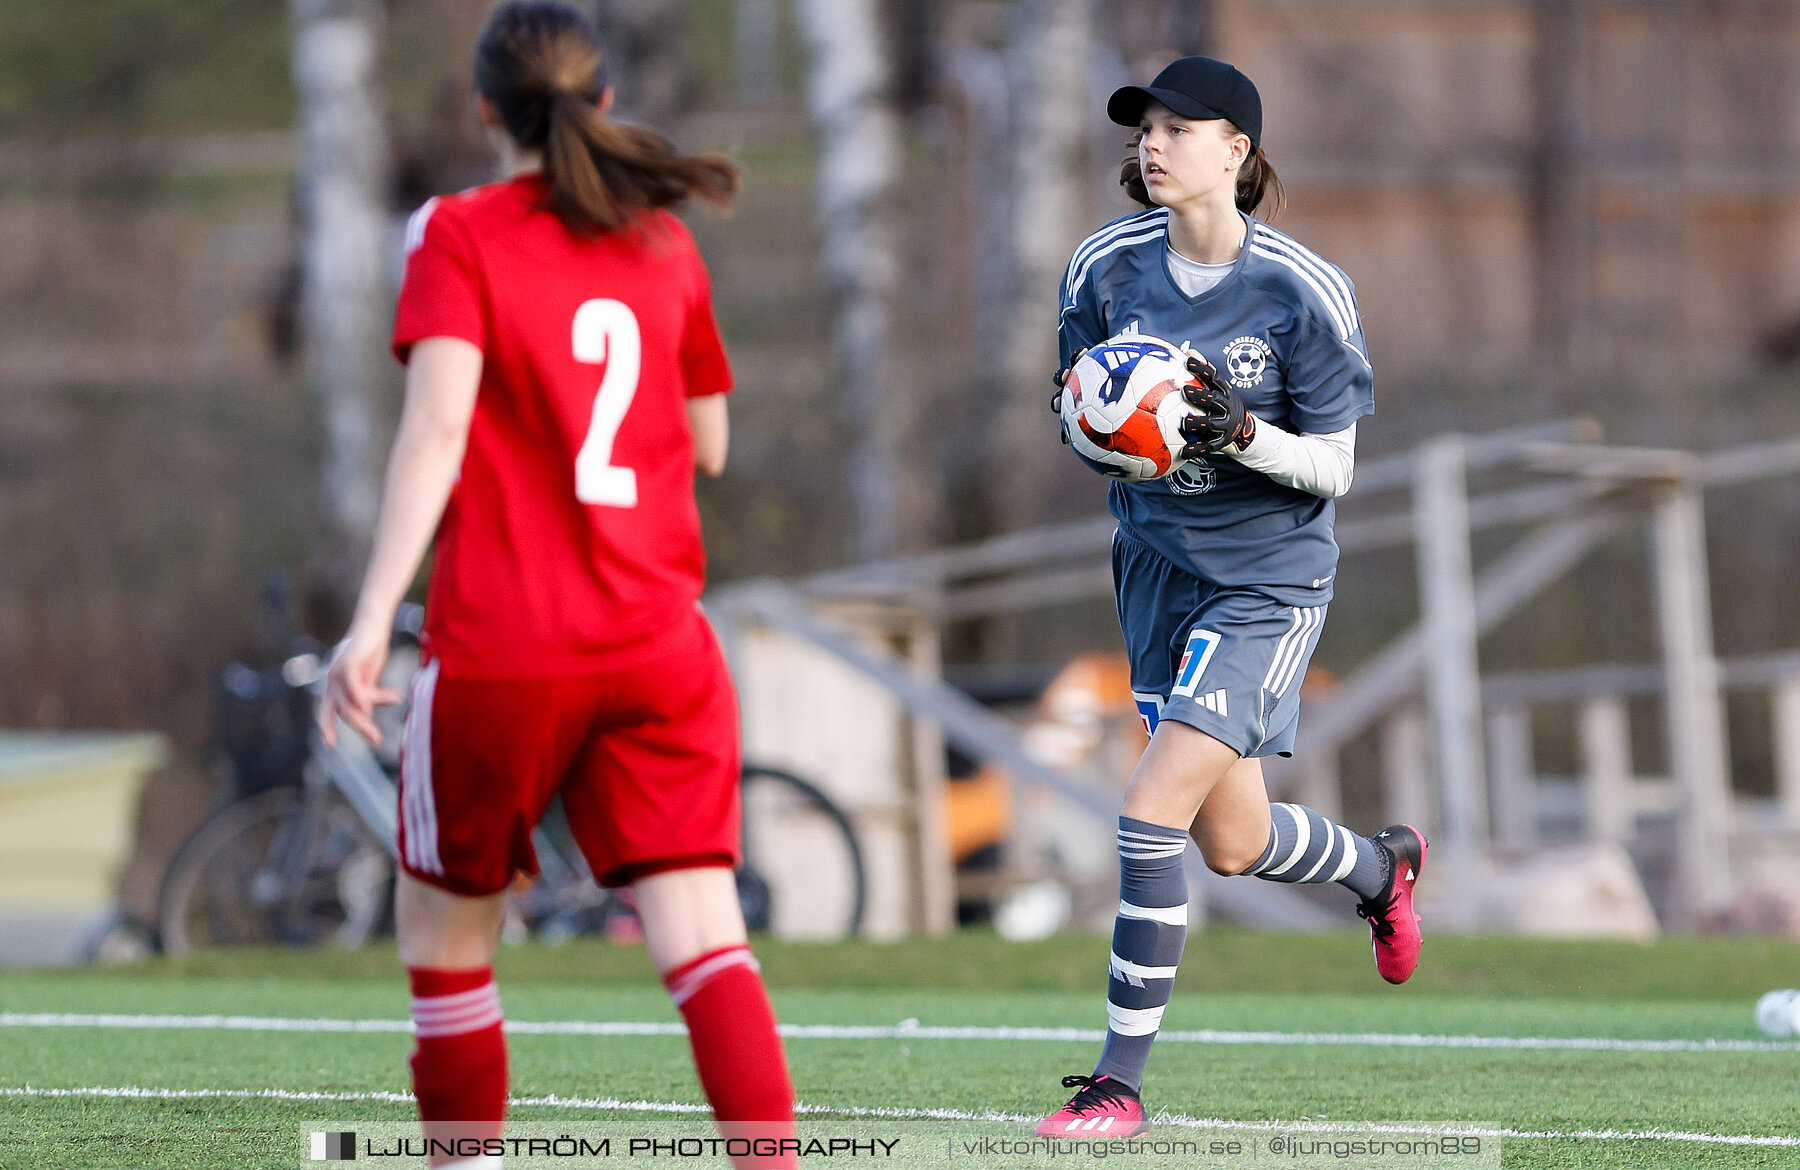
point(1193, 277)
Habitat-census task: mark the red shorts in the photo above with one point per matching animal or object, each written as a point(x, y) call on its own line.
point(645, 758)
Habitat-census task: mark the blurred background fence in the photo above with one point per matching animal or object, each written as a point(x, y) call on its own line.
point(1551, 209)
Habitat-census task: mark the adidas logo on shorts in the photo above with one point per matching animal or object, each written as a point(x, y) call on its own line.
point(1214, 701)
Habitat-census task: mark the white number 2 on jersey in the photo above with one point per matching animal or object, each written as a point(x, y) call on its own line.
point(607, 331)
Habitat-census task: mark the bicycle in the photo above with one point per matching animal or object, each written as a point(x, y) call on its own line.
point(308, 854)
point(300, 850)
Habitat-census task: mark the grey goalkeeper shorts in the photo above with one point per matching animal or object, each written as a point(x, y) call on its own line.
point(1227, 661)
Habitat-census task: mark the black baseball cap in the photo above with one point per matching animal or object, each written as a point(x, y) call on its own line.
point(1194, 87)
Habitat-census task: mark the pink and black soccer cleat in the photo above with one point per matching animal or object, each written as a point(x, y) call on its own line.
point(1393, 923)
point(1103, 1108)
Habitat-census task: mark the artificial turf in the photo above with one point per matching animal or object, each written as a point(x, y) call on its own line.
point(1231, 980)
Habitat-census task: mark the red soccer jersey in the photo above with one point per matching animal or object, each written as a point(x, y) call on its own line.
point(572, 535)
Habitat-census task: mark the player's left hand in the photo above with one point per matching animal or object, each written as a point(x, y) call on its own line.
point(1222, 423)
point(353, 684)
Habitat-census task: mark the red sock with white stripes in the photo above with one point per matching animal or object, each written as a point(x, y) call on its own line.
point(459, 1064)
point(738, 1053)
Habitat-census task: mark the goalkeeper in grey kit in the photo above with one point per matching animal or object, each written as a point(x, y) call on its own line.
point(1224, 568)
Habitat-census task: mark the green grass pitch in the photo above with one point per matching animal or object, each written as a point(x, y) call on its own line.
point(1231, 981)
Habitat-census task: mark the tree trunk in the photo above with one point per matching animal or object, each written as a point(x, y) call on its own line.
point(858, 163)
point(1047, 67)
point(345, 286)
point(1562, 190)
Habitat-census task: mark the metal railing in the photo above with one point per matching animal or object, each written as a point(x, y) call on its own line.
point(1594, 493)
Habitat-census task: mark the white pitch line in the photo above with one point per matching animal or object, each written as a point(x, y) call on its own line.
point(912, 1032)
point(1180, 1120)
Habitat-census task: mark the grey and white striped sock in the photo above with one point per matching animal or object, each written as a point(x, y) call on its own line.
point(1306, 848)
point(1148, 937)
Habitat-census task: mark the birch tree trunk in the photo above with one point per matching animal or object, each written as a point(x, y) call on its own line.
point(1048, 47)
point(345, 283)
point(858, 137)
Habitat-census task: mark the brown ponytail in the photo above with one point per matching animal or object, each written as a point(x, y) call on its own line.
point(1131, 173)
point(1257, 182)
point(539, 63)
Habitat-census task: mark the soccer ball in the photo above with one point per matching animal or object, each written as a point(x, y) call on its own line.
point(1122, 407)
point(1778, 1013)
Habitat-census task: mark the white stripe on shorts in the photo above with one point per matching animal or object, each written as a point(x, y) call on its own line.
point(418, 804)
point(1292, 649)
point(1281, 648)
point(409, 769)
point(1308, 640)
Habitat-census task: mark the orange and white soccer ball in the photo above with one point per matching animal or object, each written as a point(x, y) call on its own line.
point(1122, 407)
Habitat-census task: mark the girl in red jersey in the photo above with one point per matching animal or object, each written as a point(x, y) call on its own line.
point(565, 378)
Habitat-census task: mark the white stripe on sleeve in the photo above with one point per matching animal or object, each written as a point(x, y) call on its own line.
point(1108, 234)
point(1336, 288)
point(1345, 331)
point(1080, 276)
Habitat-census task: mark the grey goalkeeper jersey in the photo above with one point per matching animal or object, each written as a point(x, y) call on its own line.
point(1283, 330)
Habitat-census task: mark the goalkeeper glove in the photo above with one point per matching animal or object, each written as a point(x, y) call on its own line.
point(1059, 380)
point(1220, 420)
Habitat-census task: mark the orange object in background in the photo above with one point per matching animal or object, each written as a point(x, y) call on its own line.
point(1085, 712)
point(1095, 685)
point(979, 811)
point(1319, 683)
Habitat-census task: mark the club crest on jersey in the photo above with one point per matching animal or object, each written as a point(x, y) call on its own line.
point(1246, 360)
point(1191, 479)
